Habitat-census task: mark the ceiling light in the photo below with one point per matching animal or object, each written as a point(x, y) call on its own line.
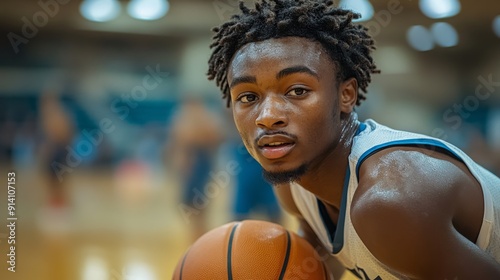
point(363, 7)
point(439, 8)
point(100, 10)
point(444, 34)
point(420, 38)
point(148, 9)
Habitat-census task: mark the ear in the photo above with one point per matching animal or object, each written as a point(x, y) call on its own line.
point(348, 95)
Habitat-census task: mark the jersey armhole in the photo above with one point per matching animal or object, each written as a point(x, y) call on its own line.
point(429, 144)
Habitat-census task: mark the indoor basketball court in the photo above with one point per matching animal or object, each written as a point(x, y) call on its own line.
point(124, 154)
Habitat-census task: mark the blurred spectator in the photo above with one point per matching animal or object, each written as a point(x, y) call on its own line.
point(58, 133)
point(252, 194)
point(195, 134)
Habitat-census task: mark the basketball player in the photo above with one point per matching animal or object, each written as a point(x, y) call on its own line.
point(58, 132)
point(195, 137)
point(386, 204)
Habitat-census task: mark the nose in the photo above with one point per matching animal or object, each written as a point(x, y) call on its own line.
point(272, 113)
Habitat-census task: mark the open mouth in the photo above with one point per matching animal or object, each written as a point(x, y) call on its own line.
point(276, 150)
point(275, 146)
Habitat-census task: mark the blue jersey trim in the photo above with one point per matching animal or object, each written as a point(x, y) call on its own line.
point(336, 232)
point(361, 127)
point(338, 241)
point(327, 222)
point(418, 142)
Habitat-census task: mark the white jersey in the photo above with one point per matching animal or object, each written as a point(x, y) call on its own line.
point(342, 239)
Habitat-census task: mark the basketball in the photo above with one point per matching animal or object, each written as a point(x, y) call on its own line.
point(250, 250)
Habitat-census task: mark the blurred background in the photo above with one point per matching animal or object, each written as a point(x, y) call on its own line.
point(113, 130)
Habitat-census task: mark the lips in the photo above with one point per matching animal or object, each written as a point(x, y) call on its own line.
point(275, 146)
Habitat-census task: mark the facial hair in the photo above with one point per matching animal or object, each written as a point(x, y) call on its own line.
point(282, 177)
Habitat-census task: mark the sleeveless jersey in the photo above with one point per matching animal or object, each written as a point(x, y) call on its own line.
point(342, 240)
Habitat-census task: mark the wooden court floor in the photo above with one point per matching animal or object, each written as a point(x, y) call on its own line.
point(114, 228)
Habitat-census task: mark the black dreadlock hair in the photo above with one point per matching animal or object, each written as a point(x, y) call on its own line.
point(349, 45)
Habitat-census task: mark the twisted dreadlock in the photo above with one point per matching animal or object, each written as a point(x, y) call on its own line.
point(348, 44)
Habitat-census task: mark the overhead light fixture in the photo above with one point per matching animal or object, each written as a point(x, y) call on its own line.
point(148, 9)
point(444, 34)
point(496, 25)
point(100, 10)
point(363, 7)
point(440, 8)
point(420, 38)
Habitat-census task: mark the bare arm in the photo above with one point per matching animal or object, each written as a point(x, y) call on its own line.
point(415, 213)
point(336, 270)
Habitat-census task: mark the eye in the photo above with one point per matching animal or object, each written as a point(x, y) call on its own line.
point(247, 98)
point(297, 92)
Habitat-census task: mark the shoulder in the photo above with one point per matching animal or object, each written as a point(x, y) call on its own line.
point(400, 186)
point(405, 204)
point(410, 176)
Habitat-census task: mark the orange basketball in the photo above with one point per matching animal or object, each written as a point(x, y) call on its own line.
point(250, 250)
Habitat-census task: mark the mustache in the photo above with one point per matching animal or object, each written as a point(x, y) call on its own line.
point(268, 133)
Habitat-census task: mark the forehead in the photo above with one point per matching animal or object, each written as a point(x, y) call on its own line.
point(279, 52)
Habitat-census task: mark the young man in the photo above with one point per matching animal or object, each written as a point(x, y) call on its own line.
point(386, 204)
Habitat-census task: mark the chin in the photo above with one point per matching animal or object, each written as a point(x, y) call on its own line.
point(276, 177)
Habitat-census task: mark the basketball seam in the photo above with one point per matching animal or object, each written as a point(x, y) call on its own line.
point(182, 265)
point(287, 256)
point(229, 250)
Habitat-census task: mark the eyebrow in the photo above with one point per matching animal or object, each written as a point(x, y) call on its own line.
point(241, 80)
point(295, 69)
point(281, 74)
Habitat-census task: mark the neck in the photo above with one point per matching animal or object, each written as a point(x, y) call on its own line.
point(326, 176)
